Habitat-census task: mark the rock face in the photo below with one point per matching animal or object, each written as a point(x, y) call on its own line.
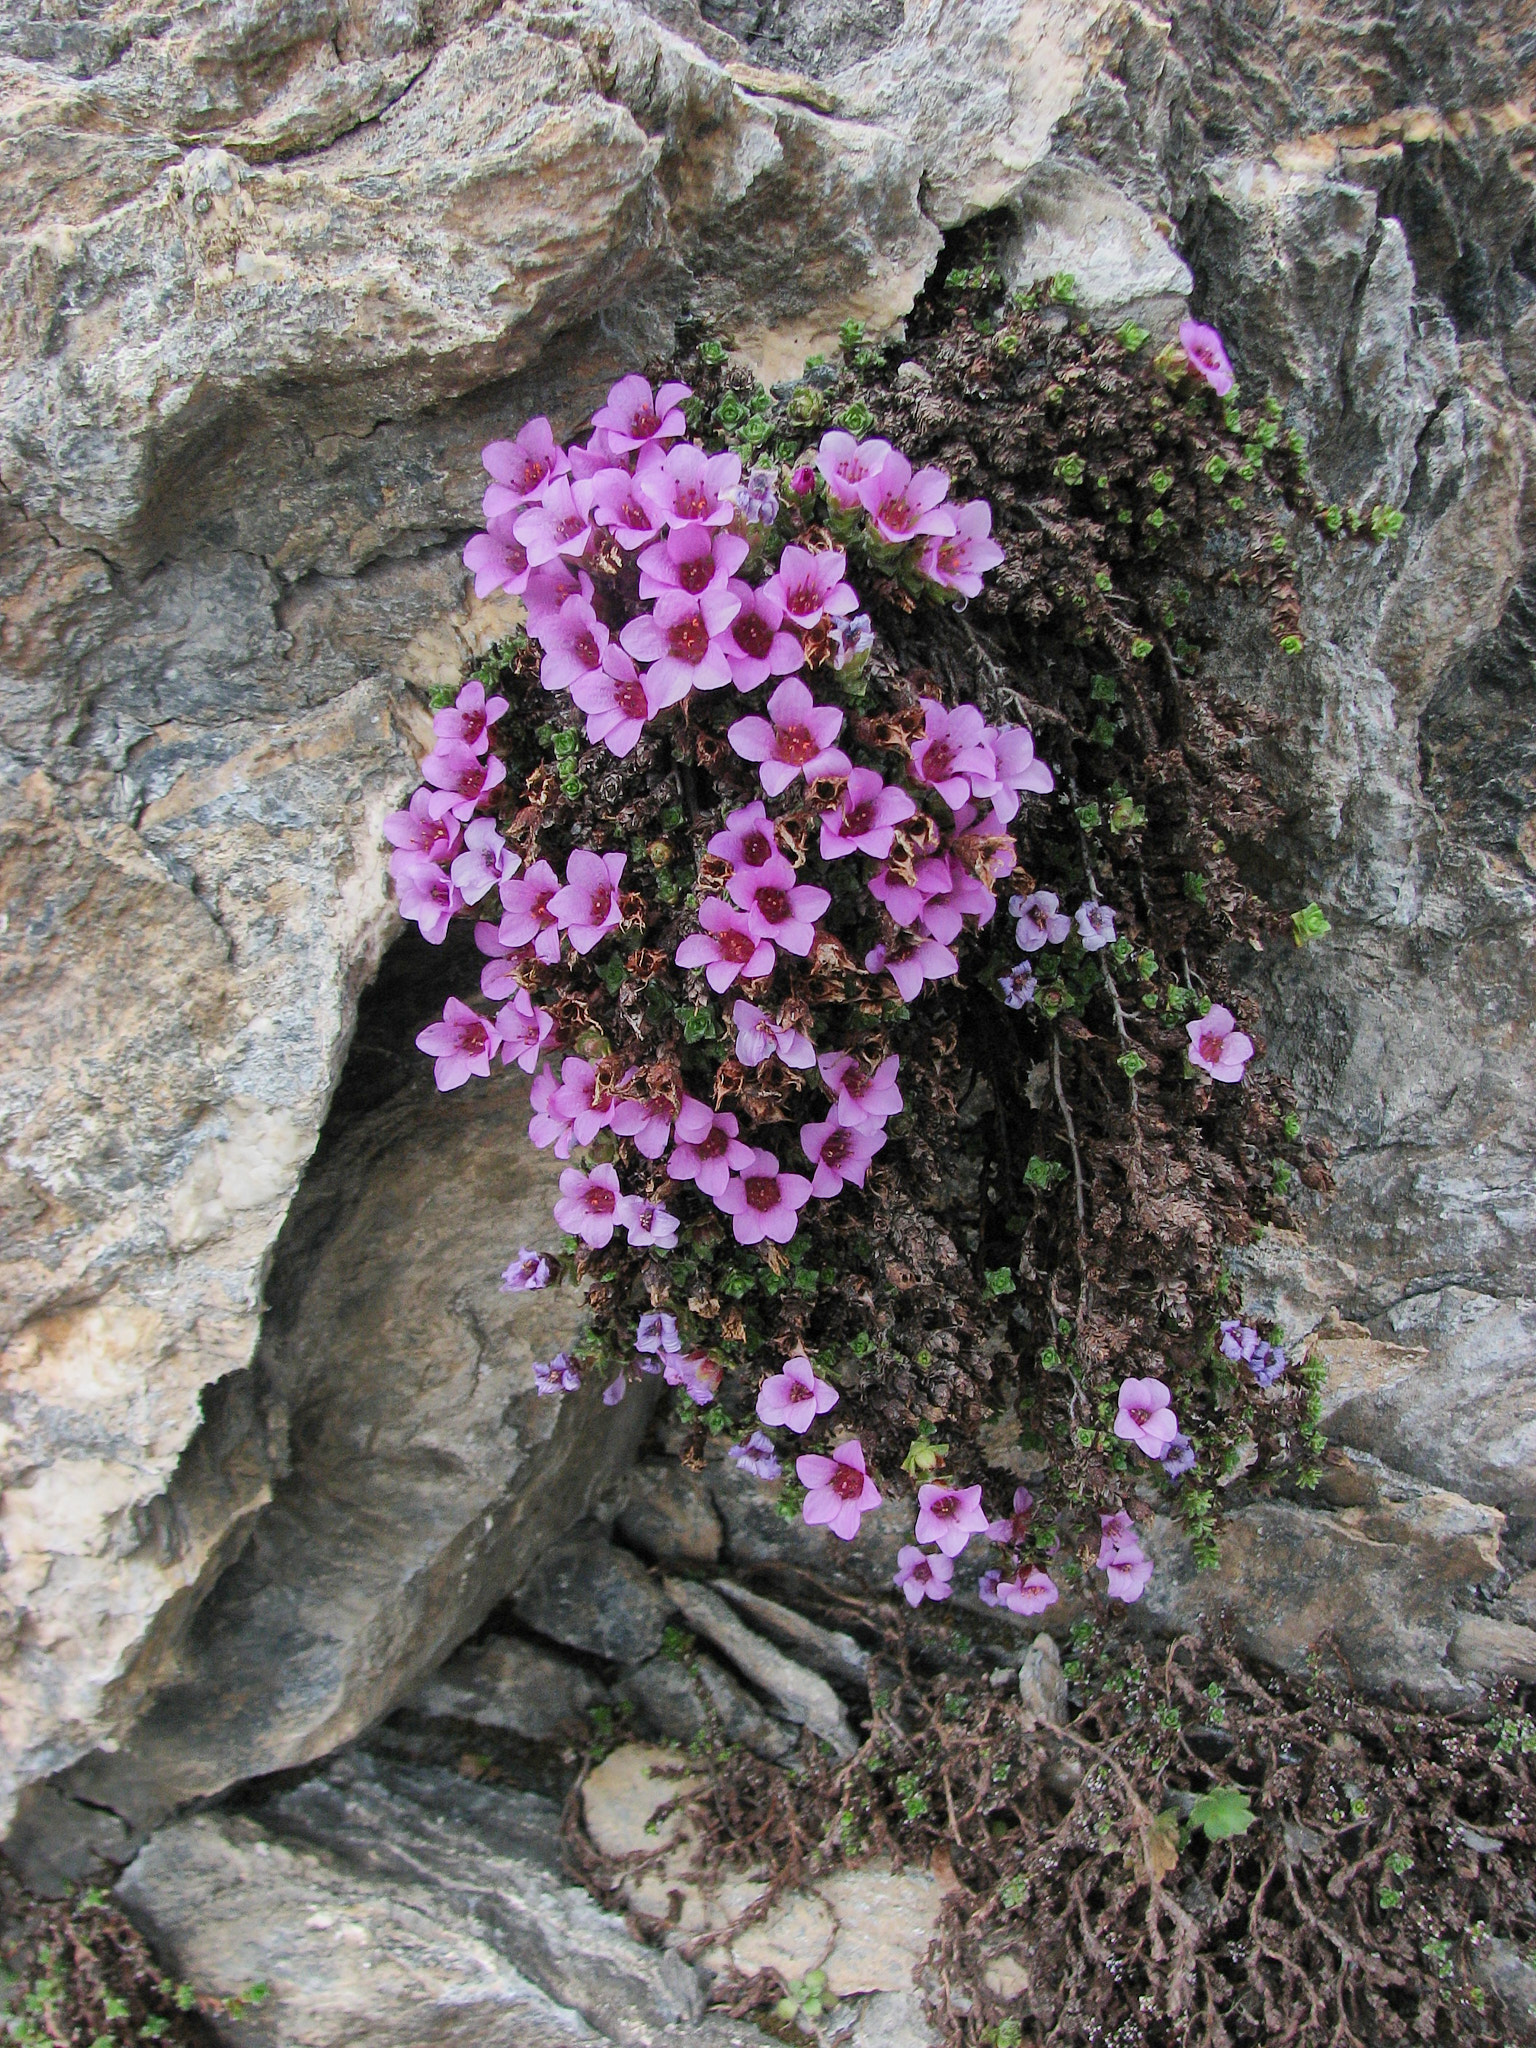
point(270, 276)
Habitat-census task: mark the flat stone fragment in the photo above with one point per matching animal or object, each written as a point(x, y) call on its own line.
point(669, 1515)
point(893, 2019)
point(1487, 1648)
point(1043, 1683)
point(827, 1650)
point(621, 1796)
point(505, 1683)
point(802, 1694)
point(682, 1701)
point(885, 1925)
point(594, 1598)
point(794, 1938)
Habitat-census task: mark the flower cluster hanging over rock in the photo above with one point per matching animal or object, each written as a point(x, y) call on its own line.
point(724, 851)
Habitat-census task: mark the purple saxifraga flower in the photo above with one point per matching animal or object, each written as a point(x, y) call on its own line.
point(865, 817)
point(1217, 1047)
point(587, 908)
point(528, 1272)
point(1122, 1559)
point(763, 1202)
point(957, 561)
point(697, 1374)
point(794, 739)
point(1014, 1528)
point(525, 1031)
point(861, 1097)
point(497, 559)
point(778, 906)
point(1019, 986)
point(484, 861)
point(573, 642)
point(558, 1376)
point(633, 416)
point(1144, 1418)
point(692, 559)
point(1095, 926)
point(758, 1038)
point(470, 717)
point(426, 895)
point(986, 1588)
point(622, 509)
point(546, 1126)
point(904, 504)
point(810, 587)
point(1178, 1459)
point(1019, 772)
point(527, 918)
point(756, 1456)
point(903, 901)
point(647, 1124)
point(911, 960)
point(757, 499)
point(955, 749)
point(726, 947)
point(1207, 355)
point(949, 895)
point(922, 1576)
point(845, 463)
point(416, 830)
point(838, 1489)
point(793, 1398)
point(583, 1098)
point(755, 644)
point(747, 841)
point(588, 1205)
point(838, 1154)
point(1041, 921)
point(619, 701)
point(1243, 1344)
point(707, 1148)
point(560, 524)
point(683, 640)
point(548, 588)
point(647, 1224)
point(657, 1333)
point(520, 469)
point(687, 486)
point(1028, 1592)
point(461, 779)
point(949, 1516)
point(464, 1043)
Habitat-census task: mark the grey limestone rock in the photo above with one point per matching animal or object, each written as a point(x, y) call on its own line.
point(504, 1682)
point(801, 1695)
point(669, 1516)
point(681, 1700)
point(593, 1597)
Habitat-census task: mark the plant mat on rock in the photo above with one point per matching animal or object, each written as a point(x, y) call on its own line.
point(1202, 1856)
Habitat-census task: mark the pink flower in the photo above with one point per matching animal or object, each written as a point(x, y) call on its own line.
point(955, 750)
point(479, 868)
point(950, 895)
point(795, 739)
point(986, 1588)
point(1095, 926)
point(416, 830)
point(559, 524)
point(548, 588)
point(747, 841)
point(461, 778)
point(1017, 771)
point(497, 559)
point(762, 1202)
point(470, 717)
point(707, 1149)
point(904, 900)
point(633, 415)
point(524, 1029)
point(647, 1125)
point(688, 485)
point(865, 818)
point(845, 463)
point(756, 646)
point(546, 1126)
point(683, 639)
point(1207, 356)
point(757, 1037)
point(647, 1223)
point(1122, 1558)
point(777, 906)
point(949, 1516)
point(808, 587)
point(838, 1490)
point(793, 1398)
point(573, 642)
point(903, 505)
point(427, 897)
point(958, 560)
point(1145, 1418)
point(692, 558)
point(726, 947)
point(802, 481)
point(588, 906)
point(527, 1272)
point(922, 1576)
point(589, 1204)
point(910, 961)
point(657, 1333)
point(528, 919)
point(1040, 921)
point(697, 1374)
point(1015, 1527)
point(1027, 1593)
point(618, 700)
point(583, 1100)
point(1217, 1047)
point(462, 1044)
point(618, 505)
point(861, 1098)
point(522, 468)
point(756, 1456)
point(839, 1154)
point(559, 1376)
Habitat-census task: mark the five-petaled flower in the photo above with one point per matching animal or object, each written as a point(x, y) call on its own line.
point(794, 739)
point(726, 947)
point(922, 1576)
point(810, 587)
point(778, 906)
point(587, 908)
point(763, 1202)
point(949, 1516)
point(1207, 355)
point(758, 1038)
point(839, 1153)
point(657, 1332)
point(861, 1097)
point(1028, 1592)
point(589, 1204)
point(464, 1043)
point(683, 639)
point(756, 1456)
point(1217, 1047)
point(902, 503)
point(1041, 921)
point(865, 817)
point(1014, 1528)
point(525, 1030)
point(838, 1489)
point(793, 1398)
point(957, 560)
point(1095, 926)
point(1144, 1417)
point(1121, 1557)
point(633, 416)
point(528, 1271)
point(707, 1149)
point(521, 468)
point(557, 1376)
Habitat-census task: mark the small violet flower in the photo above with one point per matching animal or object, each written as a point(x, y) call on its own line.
point(850, 639)
point(1018, 985)
point(416, 831)
point(547, 1126)
point(1178, 1459)
point(464, 1043)
point(497, 559)
point(757, 1037)
point(778, 906)
point(633, 415)
point(527, 916)
point(838, 1489)
point(795, 738)
point(1028, 1592)
point(865, 817)
point(949, 1516)
point(470, 717)
point(657, 1332)
point(903, 505)
point(839, 1154)
point(861, 1098)
point(1095, 926)
point(747, 841)
point(461, 779)
point(1122, 1559)
point(910, 961)
point(692, 559)
point(922, 1576)
point(756, 1456)
point(1040, 921)
point(528, 1271)
point(558, 525)
point(1014, 1528)
point(618, 700)
point(573, 642)
point(756, 645)
point(525, 1030)
point(810, 587)
point(697, 1374)
point(589, 1203)
point(558, 1376)
point(802, 481)
point(757, 499)
point(954, 751)
point(683, 639)
point(615, 1391)
point(587, 908)
point(707, 1149)
point(763, 1202)
point(647, 1223)
point(427, 897)
point(648, 1124)
point(1207, 355)
point(957, 561)
point(520, 469)
point(726, 947)
point(1217, 1047)
point(485, 860)
point(793, 1398)
point(618, 505)
point(689, 486)
point(1144, 1417)
point(845, 463)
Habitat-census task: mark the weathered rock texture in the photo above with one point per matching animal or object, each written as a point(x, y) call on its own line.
point(270, 275)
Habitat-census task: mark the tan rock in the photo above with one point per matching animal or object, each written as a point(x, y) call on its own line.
point(1489, 1649)
point(885, 1925)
